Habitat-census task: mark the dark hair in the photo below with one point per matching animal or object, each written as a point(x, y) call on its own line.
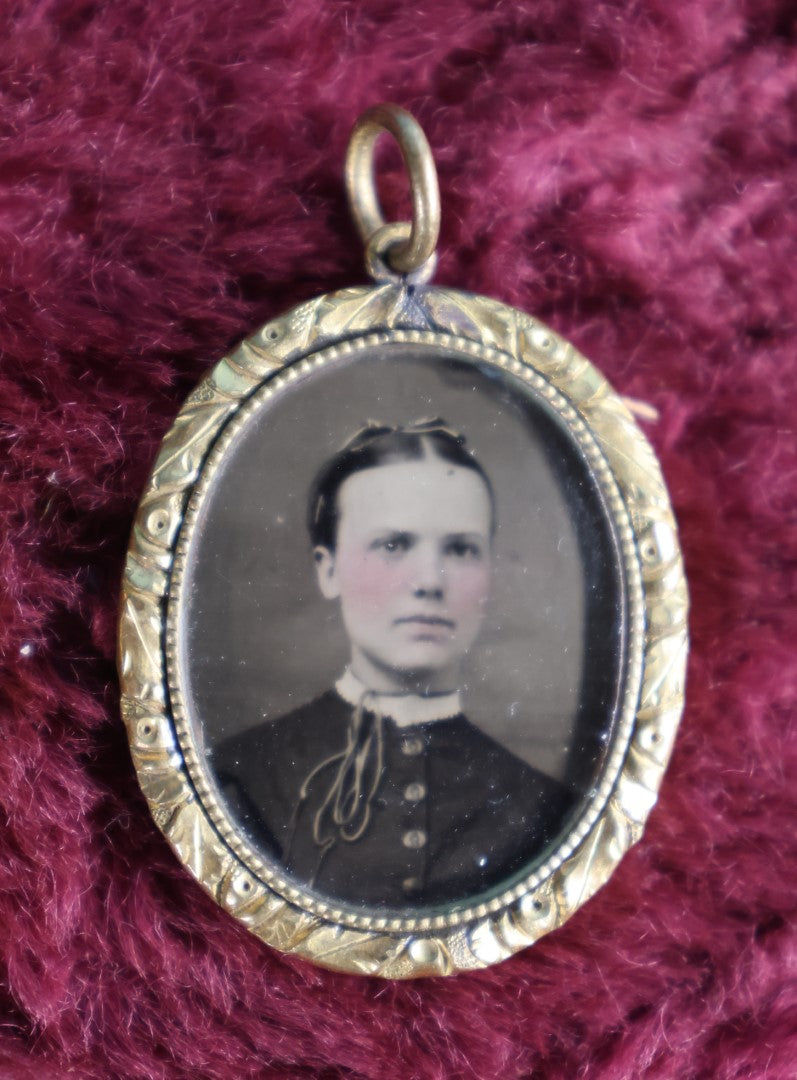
point(379, 444)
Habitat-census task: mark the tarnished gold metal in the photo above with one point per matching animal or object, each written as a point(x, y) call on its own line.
point(170, 761)
point(171, 767)
point(408, 255)
point(377, 253)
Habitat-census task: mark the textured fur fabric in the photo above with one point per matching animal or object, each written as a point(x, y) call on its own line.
point(170, 177)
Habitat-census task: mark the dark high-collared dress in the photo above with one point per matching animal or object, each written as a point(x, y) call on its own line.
point(453, 815)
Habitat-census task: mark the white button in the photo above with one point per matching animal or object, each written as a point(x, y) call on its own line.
point(414, 838)
point(410, 884)
point(415, 792)
point(411, 746)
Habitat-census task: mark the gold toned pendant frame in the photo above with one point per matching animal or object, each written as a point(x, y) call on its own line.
point(171, 767)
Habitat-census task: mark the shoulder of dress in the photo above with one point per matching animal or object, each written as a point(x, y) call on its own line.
point(315, 719)
point(326, 705)
point(498, 762)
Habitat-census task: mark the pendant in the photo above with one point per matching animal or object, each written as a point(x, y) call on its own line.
point(403, 632)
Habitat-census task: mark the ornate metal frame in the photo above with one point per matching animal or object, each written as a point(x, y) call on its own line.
point(172, 772)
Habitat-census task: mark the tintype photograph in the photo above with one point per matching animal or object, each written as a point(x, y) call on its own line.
point(404, 617)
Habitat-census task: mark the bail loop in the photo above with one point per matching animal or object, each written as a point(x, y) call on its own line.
point(401, 256)
point(378, 252)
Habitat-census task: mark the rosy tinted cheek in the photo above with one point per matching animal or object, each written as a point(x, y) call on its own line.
point(370, 582)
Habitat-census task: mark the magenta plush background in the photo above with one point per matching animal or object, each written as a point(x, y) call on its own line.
point(170, 177)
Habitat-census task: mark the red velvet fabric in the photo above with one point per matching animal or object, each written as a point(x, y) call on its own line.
point(170, 177)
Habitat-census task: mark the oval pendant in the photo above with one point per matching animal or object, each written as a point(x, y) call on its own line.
point(403, 634)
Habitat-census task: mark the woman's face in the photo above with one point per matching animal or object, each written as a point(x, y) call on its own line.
point(411, 568)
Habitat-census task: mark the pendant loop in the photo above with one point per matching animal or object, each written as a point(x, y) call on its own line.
point(378, 249)
point(408, 256)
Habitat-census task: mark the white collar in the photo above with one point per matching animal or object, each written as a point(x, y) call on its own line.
point(405, 709)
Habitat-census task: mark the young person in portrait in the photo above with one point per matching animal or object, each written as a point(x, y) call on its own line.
point(381, 791)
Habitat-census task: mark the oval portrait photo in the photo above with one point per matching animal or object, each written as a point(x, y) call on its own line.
point(402, 616)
